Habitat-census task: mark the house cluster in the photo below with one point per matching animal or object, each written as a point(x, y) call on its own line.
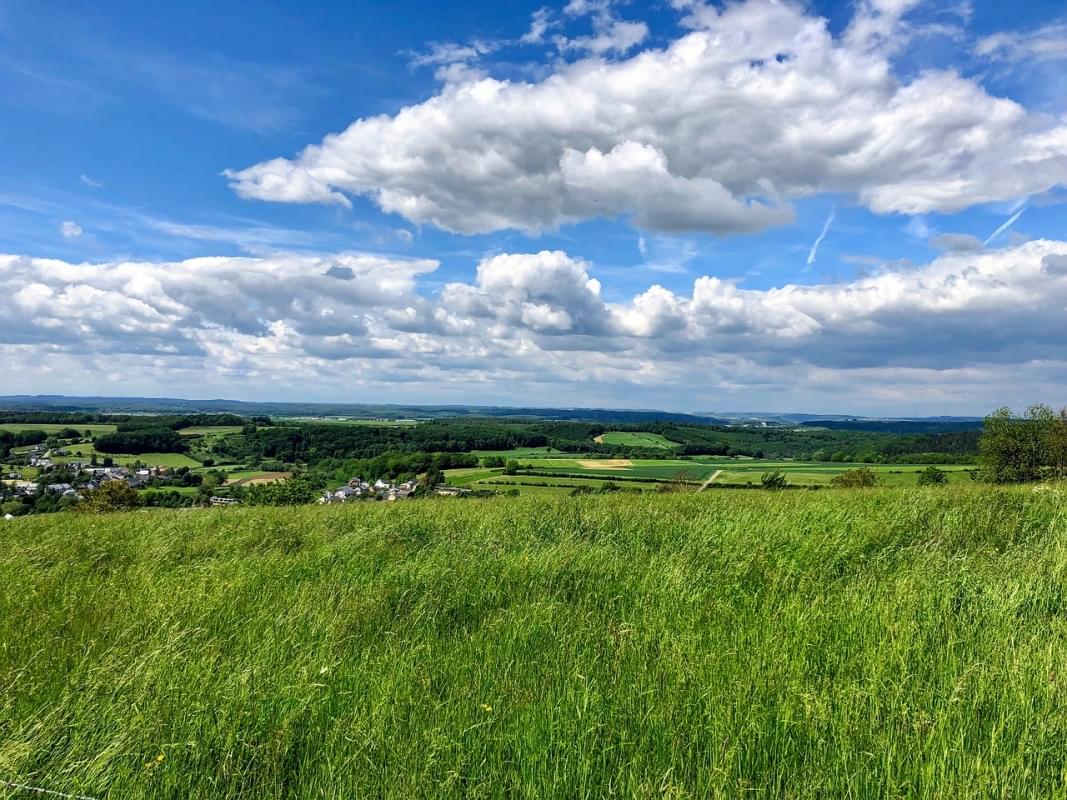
point(73, 478)
point(359, 489)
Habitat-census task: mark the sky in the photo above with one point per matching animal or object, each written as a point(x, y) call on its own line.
point(759, 205)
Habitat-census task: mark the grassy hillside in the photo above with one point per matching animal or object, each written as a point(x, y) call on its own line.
point(723, 644)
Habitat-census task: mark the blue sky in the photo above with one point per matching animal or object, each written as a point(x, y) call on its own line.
point(885, 149)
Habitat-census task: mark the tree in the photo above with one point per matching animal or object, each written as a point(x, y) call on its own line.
point(1056, 444)
point(1015, 450)
point(298, 490)
point(862, 478)
point(932, 476)
point(111, 496)
point(773, 481)
point(511, 468)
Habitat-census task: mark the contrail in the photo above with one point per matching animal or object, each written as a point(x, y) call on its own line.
point(1011, 221)
point(825, 230)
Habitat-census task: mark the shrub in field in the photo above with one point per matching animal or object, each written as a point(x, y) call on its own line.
point(862, 478)
point(110, 496)
point(294, 491)
point(773, 480)
point(932, 476)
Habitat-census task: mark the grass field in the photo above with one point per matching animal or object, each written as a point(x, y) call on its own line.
point(890, 643)
point(211, 430)
point(734, 471)
point(658, 469)
point(151, 459)
point(380, 423)
point(529, 484)
point(651, 440)
point(524, 453)
point(27, 473)
point(820, 474)
point(94, 429)
point(188, 490)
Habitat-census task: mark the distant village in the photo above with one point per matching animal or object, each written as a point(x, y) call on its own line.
point(72, 477)
point(83, 474)
point(359, 489)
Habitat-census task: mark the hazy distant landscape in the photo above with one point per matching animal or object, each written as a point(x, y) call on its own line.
point(51, 459)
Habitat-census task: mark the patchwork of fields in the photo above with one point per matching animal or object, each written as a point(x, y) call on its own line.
point(542, 470)
point(91, 428)
point(581, 471)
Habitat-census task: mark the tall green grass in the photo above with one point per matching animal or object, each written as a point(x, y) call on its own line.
point(723, 644)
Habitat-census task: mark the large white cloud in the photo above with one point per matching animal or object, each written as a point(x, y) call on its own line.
point(717, 132)
point(531, 323)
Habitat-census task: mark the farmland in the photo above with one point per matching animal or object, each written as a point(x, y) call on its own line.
point(93, 429)
point(838, 643)
point(227, 453)
point(575, 472)
point(210, 430)
point(80, 452)
point(627, 439)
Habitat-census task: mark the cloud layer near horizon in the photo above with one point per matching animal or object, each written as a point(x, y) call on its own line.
point(538, 320)
point(759, 104)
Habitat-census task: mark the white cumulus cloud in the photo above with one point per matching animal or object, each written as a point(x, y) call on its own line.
point(534, 323)
point(757, 105)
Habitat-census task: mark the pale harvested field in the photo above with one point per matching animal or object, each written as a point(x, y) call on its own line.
point(606, 463)
point(265, 477)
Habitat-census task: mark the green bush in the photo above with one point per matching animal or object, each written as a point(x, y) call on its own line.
point(861, 478)
point(932, 476)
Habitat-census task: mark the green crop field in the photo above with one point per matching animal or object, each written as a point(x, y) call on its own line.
point(83, 452)
point(211, 430)
point(158, 460)
point(800, 473)
point(887, 643)
point(728, 471)
point(653, 469)
point(651, 440)
point(468, 475)
point(94, 429)
point(524, 453)
point(380, 423)
point(531, 484)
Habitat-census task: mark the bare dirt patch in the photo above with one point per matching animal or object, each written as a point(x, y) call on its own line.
point(266, 477)
point(599, 439)
point(607, 463)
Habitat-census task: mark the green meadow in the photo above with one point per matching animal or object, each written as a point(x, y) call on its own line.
point(85, 451)
point(211, 430)
point(883, 643)
point(92, 428)
point(624, 439)
point(721, 471)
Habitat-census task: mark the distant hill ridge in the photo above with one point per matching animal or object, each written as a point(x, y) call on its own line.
point(155, 405)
